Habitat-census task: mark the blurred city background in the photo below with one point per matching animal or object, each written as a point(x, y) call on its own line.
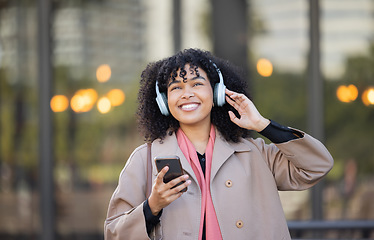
point(69, 74)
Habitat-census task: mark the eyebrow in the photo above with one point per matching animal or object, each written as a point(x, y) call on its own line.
point(178, 81)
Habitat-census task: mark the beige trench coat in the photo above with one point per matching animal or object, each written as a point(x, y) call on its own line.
point(245, 180)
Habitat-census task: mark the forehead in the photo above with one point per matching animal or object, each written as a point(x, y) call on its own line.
point(189, 70)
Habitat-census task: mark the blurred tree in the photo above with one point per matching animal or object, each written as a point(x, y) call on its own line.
point(84, 141)
point(281, 97)
point(349, 126)
point(18, 128)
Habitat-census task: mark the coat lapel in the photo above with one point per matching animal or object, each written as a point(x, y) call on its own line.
point(222, 152)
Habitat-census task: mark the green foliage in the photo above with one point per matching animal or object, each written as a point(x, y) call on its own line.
point(349, 126)
point(7, 122)
point(281, 97)
point(84, 141)
point(18, 122)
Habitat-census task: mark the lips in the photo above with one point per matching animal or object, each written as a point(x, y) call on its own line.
point(189, 106)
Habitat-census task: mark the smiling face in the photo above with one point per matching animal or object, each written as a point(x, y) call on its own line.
point(190, 100)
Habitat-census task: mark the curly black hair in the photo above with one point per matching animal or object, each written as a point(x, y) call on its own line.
point(153, 125)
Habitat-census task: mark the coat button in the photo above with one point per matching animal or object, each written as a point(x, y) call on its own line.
point(228, 183)
point(239, 224)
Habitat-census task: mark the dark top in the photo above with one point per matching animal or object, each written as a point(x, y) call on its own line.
point(274, 132)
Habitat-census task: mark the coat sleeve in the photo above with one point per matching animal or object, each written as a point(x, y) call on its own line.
point(125, 217)
point(298, 164)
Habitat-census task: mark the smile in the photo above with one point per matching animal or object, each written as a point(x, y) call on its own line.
point(189, 107)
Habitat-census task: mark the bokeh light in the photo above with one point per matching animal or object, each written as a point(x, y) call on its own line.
point(92, 94)
point(103, 73)
point(104, 105)
point(116, 97)
point(59, 103)
point(347, 93)
point(83, 100)
point(264, 67)
point(368, 96)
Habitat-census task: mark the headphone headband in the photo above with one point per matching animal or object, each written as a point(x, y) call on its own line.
point(218, 71)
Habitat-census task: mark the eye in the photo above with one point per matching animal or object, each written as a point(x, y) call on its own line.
point(174, 88)
point(198, 84)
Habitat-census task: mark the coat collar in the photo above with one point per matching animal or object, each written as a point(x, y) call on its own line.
point(221, 152)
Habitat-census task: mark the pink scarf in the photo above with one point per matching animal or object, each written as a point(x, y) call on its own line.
point(207, 209)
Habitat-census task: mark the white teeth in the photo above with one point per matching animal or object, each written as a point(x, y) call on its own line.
point(189, 106)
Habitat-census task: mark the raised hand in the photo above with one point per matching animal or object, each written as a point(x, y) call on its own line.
point(250, 118)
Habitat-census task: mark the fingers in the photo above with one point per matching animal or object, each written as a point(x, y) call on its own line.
point(163, 194)
point(233, 118)
point(164, 188)
point(179, 183)
point(161, 174)
point(235, 99)
point(229, 92)
point(233, 95)
point(232, 103)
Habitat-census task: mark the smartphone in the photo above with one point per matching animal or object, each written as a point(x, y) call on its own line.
point(175, 168)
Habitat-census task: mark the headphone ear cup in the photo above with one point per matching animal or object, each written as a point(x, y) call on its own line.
point(162, 103)
point(219, 96)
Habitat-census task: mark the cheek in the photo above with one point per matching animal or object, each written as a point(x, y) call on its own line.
point(172, 104)
point(171, 98)
point(210, 96)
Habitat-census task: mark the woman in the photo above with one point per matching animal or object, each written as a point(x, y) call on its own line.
point(204, 115)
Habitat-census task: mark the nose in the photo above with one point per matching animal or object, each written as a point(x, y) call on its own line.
point(187, 93)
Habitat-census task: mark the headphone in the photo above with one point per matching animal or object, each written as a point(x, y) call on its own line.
point(218, 94)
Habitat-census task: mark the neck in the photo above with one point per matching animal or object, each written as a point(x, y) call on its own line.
point(198, 135)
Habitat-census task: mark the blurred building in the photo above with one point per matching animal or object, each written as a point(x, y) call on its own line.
point(281, 33)
point(346, 29)
point(86, 34)
point(92, 33)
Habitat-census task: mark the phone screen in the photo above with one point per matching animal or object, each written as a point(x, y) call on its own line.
point(175, 168)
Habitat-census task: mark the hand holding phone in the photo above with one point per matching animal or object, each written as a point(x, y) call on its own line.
point(175, 168)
